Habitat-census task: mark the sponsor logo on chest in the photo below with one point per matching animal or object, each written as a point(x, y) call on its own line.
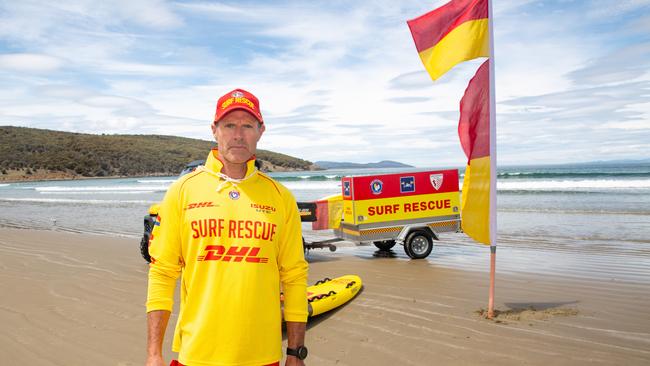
point(259, 207)
point(194, 205)
point(232, 254)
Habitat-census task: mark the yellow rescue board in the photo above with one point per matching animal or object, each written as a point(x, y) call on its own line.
point(328, 294)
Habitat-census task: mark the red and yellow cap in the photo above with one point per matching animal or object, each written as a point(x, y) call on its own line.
point(238, 99)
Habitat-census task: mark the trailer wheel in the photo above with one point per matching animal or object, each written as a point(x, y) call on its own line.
point(418, 244)
point(384, 244)
point(406, 250)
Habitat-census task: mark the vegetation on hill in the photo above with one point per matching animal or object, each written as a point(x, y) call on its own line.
point(30, 150)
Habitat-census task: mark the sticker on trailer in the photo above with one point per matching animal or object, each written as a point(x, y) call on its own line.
point(436, 180)
point(376, 186)
point(407, 184)
point(346, 188)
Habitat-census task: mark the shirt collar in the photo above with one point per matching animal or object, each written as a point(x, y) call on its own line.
point(214, 163)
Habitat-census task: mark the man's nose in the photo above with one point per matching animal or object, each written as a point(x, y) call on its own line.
point(239, 132)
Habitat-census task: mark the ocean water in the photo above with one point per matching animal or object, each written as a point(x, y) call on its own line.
point(580, 220)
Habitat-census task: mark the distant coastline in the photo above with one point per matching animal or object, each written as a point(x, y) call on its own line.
point(37, 176)
point(348, 165)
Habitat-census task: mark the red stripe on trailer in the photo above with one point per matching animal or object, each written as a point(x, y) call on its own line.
point(397, 184)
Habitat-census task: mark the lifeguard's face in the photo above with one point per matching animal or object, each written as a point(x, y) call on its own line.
point(237, 134)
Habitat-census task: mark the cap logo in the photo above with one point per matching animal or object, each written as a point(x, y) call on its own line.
point(227, 102)
point(237, 94)
point(240, 100)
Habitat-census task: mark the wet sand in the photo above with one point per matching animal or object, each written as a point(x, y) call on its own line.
point(75, 299)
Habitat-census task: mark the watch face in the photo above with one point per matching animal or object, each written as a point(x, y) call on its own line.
point(302, 352)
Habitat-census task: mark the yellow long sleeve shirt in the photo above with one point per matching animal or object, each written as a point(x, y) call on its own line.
point(232, 243)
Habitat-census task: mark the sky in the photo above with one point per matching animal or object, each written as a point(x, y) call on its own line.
point(337, 80)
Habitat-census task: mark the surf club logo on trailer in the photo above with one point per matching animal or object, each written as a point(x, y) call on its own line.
point(234, 195)
point(436, 180)
point(376, 186)
point(406, 184)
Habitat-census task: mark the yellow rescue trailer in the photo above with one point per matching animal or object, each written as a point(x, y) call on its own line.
point(409, 209)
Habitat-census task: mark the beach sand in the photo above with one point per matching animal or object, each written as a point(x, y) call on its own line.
point(74, 299)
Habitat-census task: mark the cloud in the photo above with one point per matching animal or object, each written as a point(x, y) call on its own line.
point(30, 62)
point(411, 80)
point(135, 68)
point(212, 9)
point(594, 123)
point(310, 109)
point(639, 26)
point(41, 22)
point(413, 99)
point(336, 79)
point(619, 65)
point(156, 14)
point(603, 9)
point(120, 106)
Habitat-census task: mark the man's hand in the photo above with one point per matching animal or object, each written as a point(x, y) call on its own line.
point(294, 361)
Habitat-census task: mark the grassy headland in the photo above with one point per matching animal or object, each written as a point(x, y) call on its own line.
point(36, 154)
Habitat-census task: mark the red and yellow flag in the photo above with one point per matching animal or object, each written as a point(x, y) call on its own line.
point(474, 133)
point(450, 34)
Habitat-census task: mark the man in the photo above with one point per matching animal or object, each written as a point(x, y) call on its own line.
point(233, 235)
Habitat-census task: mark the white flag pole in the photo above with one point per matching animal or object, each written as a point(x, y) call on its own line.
point(493, 166)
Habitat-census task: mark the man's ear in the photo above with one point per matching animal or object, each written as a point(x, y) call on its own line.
point(213, 126)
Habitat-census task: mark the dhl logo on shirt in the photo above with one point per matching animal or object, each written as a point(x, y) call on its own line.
point(199, 205)
point(233, 254)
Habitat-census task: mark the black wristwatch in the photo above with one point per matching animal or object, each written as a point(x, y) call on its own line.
point(300, 352)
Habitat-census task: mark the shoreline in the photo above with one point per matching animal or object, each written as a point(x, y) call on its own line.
point(74, 178)
point(78, 299)
point(458, 252)
point(63, 176)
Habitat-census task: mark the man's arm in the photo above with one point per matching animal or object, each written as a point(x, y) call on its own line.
point(295, 339)
point(292, 266)
point(293, 274)
point(156, 326)
point(164, 270)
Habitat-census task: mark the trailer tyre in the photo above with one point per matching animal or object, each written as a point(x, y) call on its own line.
point(418, 244)
point(384, 244)
point(406, 250)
